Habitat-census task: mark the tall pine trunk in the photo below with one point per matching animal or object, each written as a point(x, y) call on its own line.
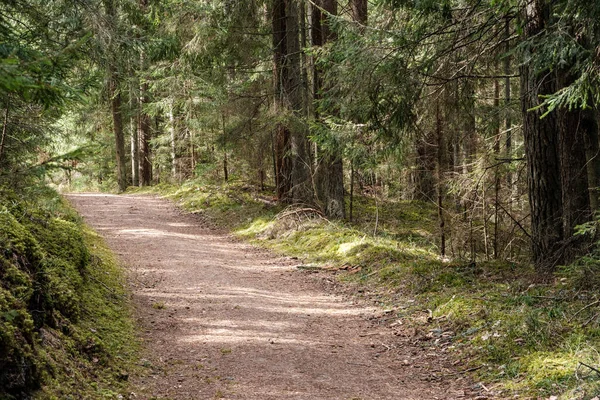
point(440, 168)
point(135, 154)
point(542, 153)
point(572, 126)
point(281, 145)
point(301, 178)
point(359, 11)
point(144, 121)
point(330, 167)
point(173, 139)
point(593, 156)
point(144, 138)
point(117, 118)
point(115, 95)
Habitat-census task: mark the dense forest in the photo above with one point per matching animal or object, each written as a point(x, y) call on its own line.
point(483, 112)
point(486, 110)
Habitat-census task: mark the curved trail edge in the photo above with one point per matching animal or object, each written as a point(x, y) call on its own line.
point(223, 319)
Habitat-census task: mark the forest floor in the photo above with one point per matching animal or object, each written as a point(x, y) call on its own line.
point(223, 319)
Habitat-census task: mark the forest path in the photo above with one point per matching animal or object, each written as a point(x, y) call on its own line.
point(223, 319)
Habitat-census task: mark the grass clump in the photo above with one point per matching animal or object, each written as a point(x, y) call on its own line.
point(65, 324)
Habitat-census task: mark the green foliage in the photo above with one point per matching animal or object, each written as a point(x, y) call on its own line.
point(39, 45)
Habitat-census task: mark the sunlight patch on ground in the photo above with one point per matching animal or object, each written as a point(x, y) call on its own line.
point(155, 232)
point(344, 248)
point(232, 337)
point(242, 295)
point(310, 310)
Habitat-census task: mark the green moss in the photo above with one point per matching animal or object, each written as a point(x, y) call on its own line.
point(61, 287)
point(65, 324)
point(63, 240)
point(17, 242)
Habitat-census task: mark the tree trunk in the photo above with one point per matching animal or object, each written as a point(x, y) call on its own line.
point(593, 156)
point(507, 119)
point(330, 167)
point(302, 187)
point(192, 151)
point(359, 11)
point(542, 154)
point(440, 166)
point(497, 182)
point(172, 135)
point(4, 126)
point(281, 145)
point(144, 137)
point(469, 127)
point(115, 103)
point(351, 190)
point(426, 151)
point(572, 126)
point(115, 97)
point(135, 154)
point(225, 166)
point(144, 133)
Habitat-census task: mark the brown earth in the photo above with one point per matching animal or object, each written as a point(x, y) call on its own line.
point(223, 319)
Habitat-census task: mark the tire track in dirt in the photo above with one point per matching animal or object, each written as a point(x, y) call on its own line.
point(223, 319)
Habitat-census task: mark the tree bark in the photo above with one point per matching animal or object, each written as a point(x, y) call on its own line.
point(593, 156)
point(115, 96)
point(425, 162)
point(359, 11)
point(507, 99)
point(301, 177)
point(144, 135)
point(497, 182)
point(172, 135)
point(4, 126)
point(469, 127)
point(573, 128)
point(330, 167)
point(440, 166)
point(135, 153)
point(281, 145)
point(115, 103)
point(144, 122)
point(542, 154)
point(225, 166)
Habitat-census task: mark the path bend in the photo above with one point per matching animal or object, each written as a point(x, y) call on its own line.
point(223, 319)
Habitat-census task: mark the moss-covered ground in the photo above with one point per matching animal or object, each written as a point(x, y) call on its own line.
point(66, 329)
point(517, 337)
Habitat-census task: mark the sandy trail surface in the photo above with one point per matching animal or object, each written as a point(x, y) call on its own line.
point(223, 319)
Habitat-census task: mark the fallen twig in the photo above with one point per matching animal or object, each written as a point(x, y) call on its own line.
point(596, 370)
point(586, 323)
point(549, 298)
point(584, 308)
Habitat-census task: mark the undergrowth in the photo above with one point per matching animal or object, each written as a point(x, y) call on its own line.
point(519, 337)
point(65, 325)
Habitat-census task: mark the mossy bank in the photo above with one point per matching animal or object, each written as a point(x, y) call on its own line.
point(66, 328)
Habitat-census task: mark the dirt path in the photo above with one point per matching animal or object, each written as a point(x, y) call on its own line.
point(222, 319)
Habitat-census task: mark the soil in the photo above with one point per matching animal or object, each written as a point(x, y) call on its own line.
point(223, 319)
